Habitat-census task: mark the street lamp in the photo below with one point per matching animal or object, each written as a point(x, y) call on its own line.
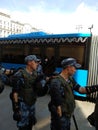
point(79, 27)
point(90, 28)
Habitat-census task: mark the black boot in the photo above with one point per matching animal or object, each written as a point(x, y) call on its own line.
point(26, 128)
point(29, 127)
point(22, 128)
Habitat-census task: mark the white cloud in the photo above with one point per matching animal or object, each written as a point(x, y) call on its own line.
point(56, 21)
point(5, 11)
point(87, 16)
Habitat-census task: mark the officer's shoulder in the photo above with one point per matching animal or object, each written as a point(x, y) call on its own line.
point(72, 79)
point(18, 74)
point(56, 80)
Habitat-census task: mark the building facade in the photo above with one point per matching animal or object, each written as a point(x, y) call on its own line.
point(27, 28)
point(16, 27)
point(9, 26)
point(4, 24)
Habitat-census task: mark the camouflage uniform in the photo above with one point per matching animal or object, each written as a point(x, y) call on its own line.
point(61, 92)
point(24, 85)
point(62, 99)
point(27, 116)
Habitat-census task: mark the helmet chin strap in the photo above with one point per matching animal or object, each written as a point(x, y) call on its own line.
point(29, 70)
point(64, 74)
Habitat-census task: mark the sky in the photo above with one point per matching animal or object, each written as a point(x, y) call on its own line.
point(54, 16)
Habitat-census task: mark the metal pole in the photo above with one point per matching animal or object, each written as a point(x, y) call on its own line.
point(75, 122)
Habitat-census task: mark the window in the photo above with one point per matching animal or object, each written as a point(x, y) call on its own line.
point(0, 32)
point(0, 21)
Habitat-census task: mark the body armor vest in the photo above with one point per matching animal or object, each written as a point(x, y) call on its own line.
point(28, 92)
point(68, 104)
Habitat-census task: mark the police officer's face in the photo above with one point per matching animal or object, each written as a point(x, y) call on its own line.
point(71, 70)
point(33, 65)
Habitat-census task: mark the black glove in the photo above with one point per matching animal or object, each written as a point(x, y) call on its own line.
point(16, 106)
point(91, 89)
point(1, 86)
point(32, 120)
point(52, 109)
point(16, 114)
point(91, 119)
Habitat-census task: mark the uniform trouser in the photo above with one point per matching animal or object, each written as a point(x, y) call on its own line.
point(60, 123)
point(27, 117)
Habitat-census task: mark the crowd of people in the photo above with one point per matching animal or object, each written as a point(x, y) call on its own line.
point(31, 82)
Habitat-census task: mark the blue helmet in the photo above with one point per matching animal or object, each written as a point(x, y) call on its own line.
point(70, 62)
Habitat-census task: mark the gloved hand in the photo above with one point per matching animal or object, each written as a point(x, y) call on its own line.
point(32, 120)
point(17, 113)
point(16, 116)
point(16, 106)
point(91, 119)
point(1, 86)
point(91, 89)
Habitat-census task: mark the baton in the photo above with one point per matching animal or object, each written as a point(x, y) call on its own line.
point(75, 122)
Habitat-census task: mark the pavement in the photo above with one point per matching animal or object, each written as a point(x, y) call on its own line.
point(83, 109)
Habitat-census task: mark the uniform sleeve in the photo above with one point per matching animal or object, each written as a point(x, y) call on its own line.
point(55, 92)
point(76, 86)
point(17, 82)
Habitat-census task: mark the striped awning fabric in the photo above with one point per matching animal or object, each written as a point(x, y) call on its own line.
point(45, 40)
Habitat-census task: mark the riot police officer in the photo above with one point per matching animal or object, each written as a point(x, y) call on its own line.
point(24, 94)
point(62, 102)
